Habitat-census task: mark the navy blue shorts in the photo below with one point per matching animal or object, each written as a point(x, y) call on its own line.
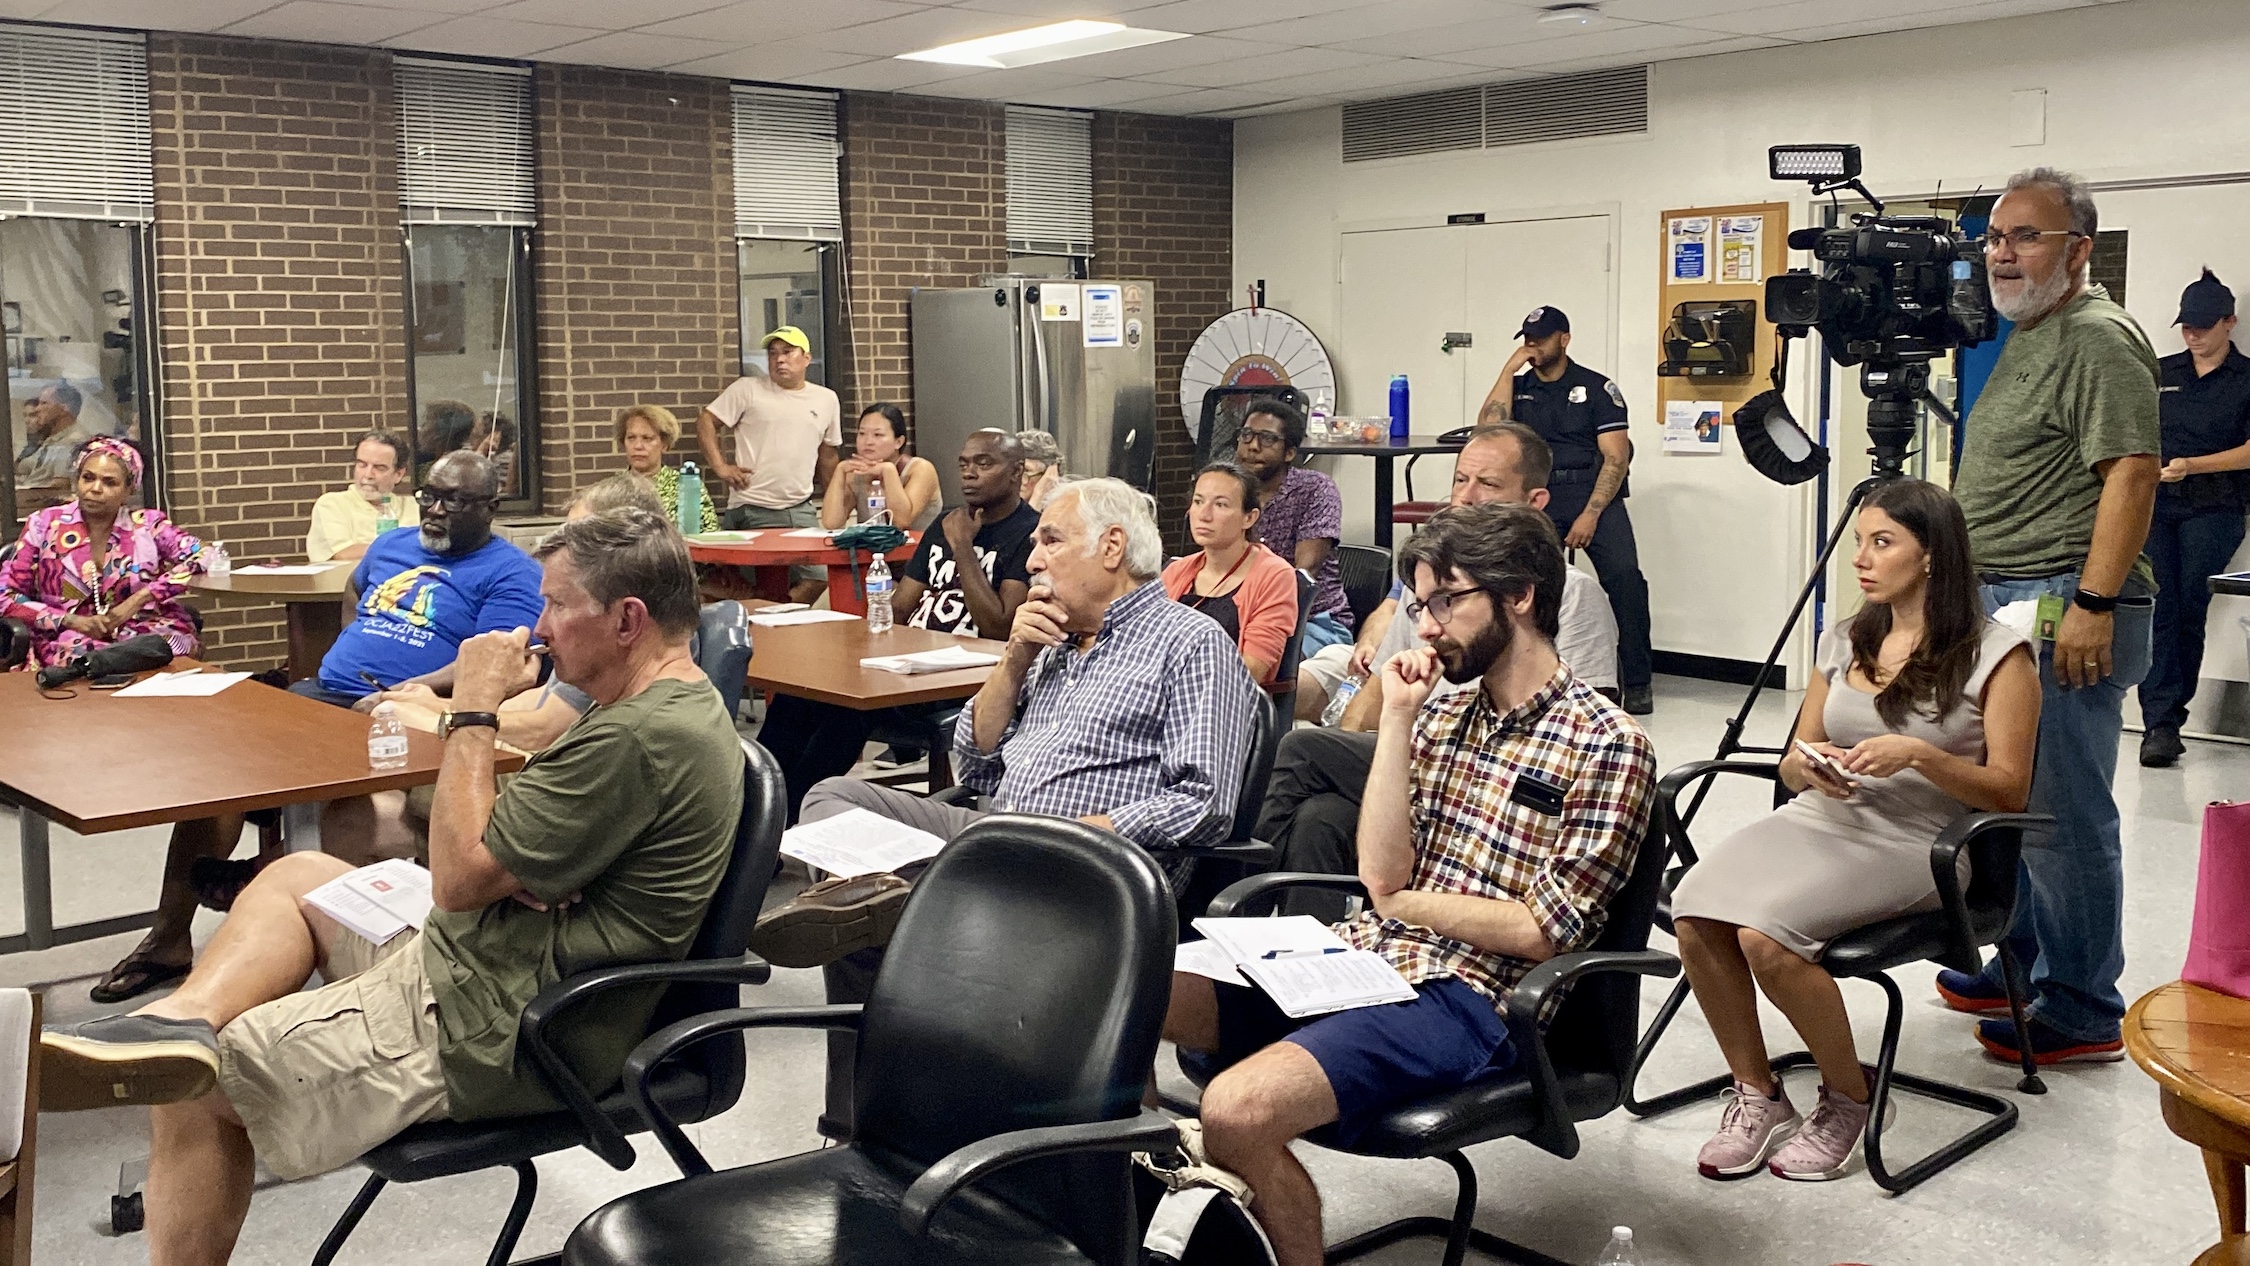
point(1375, 1058)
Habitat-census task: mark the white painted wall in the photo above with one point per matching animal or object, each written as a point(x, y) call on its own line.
point(2143, 89)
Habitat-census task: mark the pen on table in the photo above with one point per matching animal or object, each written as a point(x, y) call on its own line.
point(1312, 953)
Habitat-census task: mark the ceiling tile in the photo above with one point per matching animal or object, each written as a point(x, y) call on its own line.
point(1803, 14)
point(1006, 85)
point(1200, 16)
point(442, 8)
point(1097, 94)
point(1399, 75)
point(1618, 42)
point(769, 61)
point(158, 15)
point(1295, 63)
point(1149, 59)
point(595, 14)
point(1292, 106)
point(1680, 10)
point(748, 20)
point(1375, 20)
point(1735, 44)
point(318, 22)
point(1058, 10)
point(1213, 100)
point(630, 50)
point(924, 28)
point(1882, 22)
point(487, 37)
point(27, 8)
point(884, 74)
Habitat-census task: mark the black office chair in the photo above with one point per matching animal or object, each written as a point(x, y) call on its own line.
point(1366, 573)
point(1219, 418)
point(1951, 935)
point(722, 650)
point(1284, 691)
point(1574, 1072)
point(1001, 1061)
point(694, 1089)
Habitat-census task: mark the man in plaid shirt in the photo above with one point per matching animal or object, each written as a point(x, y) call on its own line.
point(1498, 824)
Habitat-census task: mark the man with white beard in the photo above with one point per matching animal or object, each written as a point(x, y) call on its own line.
point(2057, 479)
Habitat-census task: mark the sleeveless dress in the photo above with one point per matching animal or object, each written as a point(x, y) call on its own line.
point(1816, 867)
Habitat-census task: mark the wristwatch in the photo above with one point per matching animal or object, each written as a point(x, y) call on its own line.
point(448, 722)
point(2094, 602)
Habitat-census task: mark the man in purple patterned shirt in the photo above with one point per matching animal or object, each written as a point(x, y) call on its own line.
point(1300, 513)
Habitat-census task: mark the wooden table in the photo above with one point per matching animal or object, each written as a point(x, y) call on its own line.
point(821, 662)
point(2196, 1043)
point(772, 551)
point(315, 606)
point(1384, 455)
point(96, 763)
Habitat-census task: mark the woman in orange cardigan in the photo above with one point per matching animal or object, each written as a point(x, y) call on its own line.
point(1250, 590)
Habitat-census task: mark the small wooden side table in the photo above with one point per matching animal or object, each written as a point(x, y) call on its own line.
point(2195, 1042)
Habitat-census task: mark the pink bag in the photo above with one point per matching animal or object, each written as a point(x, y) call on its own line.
point(2218, 954)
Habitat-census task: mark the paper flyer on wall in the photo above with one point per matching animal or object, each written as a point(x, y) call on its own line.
point(1741, 248)
point(1688, 246)
point(1694, 426)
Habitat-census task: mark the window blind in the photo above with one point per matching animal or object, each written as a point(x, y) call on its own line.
point(74, 134)
point(465, 143)
point(1050, 182)
point(785, 152)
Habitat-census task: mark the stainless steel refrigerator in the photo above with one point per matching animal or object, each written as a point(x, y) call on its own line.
point(1074, 359)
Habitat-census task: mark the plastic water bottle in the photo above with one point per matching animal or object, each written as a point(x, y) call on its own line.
point(1316, 421)
point(215, 560)
point(878, 505)
point(386, 739)
point(690, 509)
point(1346, 691)
point(1620, 1251)
point(878, 596)
point(1398, 408)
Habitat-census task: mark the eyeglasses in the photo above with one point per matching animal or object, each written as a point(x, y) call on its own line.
point(2023, 239)
point(454, 502)
point(1260, 439)
point(1440, 605)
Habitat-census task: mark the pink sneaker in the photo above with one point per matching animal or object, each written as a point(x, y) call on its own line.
point(1824, 1148)
point(1750, 1127)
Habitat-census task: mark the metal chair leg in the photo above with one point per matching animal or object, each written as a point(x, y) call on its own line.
point(1670, 1099)
point(2011, 972)
point(519, 1212)
point(2001, 1112)
point(348, 1223)
point(1459, 1232)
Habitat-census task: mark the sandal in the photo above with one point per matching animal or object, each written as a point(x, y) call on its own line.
point(217, 882)
point(135, 975)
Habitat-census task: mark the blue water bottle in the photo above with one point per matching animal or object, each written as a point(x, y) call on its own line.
point(689, 511)
point(1398, 408)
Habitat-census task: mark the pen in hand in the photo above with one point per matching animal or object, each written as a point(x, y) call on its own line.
point(1314, 953)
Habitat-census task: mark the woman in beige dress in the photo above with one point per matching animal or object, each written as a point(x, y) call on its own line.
point(1927, 709)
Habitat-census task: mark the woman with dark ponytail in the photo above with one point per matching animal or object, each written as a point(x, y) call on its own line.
point(1921, 709)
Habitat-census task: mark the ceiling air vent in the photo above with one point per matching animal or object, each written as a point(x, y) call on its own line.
point(1597, 103)
point(1423, 124)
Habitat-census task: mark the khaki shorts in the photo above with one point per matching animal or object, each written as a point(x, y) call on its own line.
point(321, 1076)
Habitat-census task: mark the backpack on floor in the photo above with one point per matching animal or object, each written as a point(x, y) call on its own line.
point(1192, 1212)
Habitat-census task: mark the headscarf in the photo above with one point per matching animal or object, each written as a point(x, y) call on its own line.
point(110, 446)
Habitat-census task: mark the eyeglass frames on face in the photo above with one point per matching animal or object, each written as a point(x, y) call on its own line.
point(1259, 439)
point(1440, 605)
point(454, 502)
point(2022, 239)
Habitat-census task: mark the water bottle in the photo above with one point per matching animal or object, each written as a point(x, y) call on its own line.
point(1316, 421)
point(1620, 1251)
point(215, 560)
point(1398, 408)
point(386, 518)
point(878, 505)
point(690, 509)
point(878, 596)
point(1346, 691)
point(386, 739)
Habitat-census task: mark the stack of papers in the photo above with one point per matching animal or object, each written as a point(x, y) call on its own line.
point(1306, 969)
point(822, 533)
point(378, 901)
point(857, 842)
point(190, 683)
point(942, 660)
point(782, 619)
point(284, 569)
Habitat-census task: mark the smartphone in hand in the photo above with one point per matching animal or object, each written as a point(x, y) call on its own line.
point(1825, 765)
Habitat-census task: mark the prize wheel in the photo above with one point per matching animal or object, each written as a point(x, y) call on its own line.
point(1251, 347)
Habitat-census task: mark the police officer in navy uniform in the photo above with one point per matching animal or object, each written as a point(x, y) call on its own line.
point(2204, 408)
point(1581, 415)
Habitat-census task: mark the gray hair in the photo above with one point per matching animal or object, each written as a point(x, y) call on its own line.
point(2076, 197)
point(631, 553)
point(473, 468)
point(619, 491)
point(400, 459)
point(1112, 503)
point(1039, 446)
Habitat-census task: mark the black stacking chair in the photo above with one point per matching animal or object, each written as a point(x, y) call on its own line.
point(1951, 935)
point(1575, 1072)
point(1284, 691)
point(694, 1089)
point(1001, 1060)
point(1366, 573)
point(1214, 866)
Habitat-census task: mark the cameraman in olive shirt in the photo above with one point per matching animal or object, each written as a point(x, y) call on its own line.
point(2057, 480)
point(605, 849)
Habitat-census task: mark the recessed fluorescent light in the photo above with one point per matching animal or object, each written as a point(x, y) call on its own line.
point(1050, 43)
point(1571, 15)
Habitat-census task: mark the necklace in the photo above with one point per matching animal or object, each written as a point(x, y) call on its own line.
point(1201, 598)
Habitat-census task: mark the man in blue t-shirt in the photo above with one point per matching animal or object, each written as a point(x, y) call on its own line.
point(423, 591)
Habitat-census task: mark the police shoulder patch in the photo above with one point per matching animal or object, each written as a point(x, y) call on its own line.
point(1616, 397)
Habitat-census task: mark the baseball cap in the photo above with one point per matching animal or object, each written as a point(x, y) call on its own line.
point(1542, 322)
point(789, 334)
point(2205, 303)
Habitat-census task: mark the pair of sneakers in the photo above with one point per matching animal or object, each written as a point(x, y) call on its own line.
point(1754, 1127)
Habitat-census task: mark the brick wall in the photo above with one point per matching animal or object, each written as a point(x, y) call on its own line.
point(278, 291)
point(1164, 210)
point(633, 259)
point(925, 204)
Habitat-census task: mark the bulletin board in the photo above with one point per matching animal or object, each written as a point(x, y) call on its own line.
point(1727, 260)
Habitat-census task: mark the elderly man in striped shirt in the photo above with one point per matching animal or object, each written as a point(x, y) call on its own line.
point(1497, 825)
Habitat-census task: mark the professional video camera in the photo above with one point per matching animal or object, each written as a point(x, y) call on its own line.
point(1893, 292)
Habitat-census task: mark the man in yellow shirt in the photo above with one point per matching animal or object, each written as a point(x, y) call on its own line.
point(345, 523)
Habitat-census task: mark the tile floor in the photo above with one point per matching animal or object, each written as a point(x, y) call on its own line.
point(2089, 1176)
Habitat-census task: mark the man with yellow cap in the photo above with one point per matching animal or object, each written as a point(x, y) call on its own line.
point(786, 435)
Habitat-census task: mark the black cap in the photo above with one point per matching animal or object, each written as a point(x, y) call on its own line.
point(1541, 322)
point(2205, 303)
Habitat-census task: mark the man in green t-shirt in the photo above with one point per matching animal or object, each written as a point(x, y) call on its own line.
point(605, 849)
point(2057, 479)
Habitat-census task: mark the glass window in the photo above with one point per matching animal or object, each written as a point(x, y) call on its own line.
point(469, 345)
point(71, 304)
point(784, 283)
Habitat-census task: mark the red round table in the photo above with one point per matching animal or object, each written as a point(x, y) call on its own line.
point(771, 552)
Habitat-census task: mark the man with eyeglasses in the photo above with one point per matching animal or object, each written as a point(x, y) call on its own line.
point(2057, 479)
point(1300, 513)
point(422, 591)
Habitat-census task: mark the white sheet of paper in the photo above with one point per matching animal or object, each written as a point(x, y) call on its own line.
point(786, 618)
point(943, 659)
point(820, 532)
point(857, 842)
point(284, 569)
point(192, 683)
point(1205, 958)
point(729, 537)
point(1247, 939)
point(379, 901)
point(1316, 984)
